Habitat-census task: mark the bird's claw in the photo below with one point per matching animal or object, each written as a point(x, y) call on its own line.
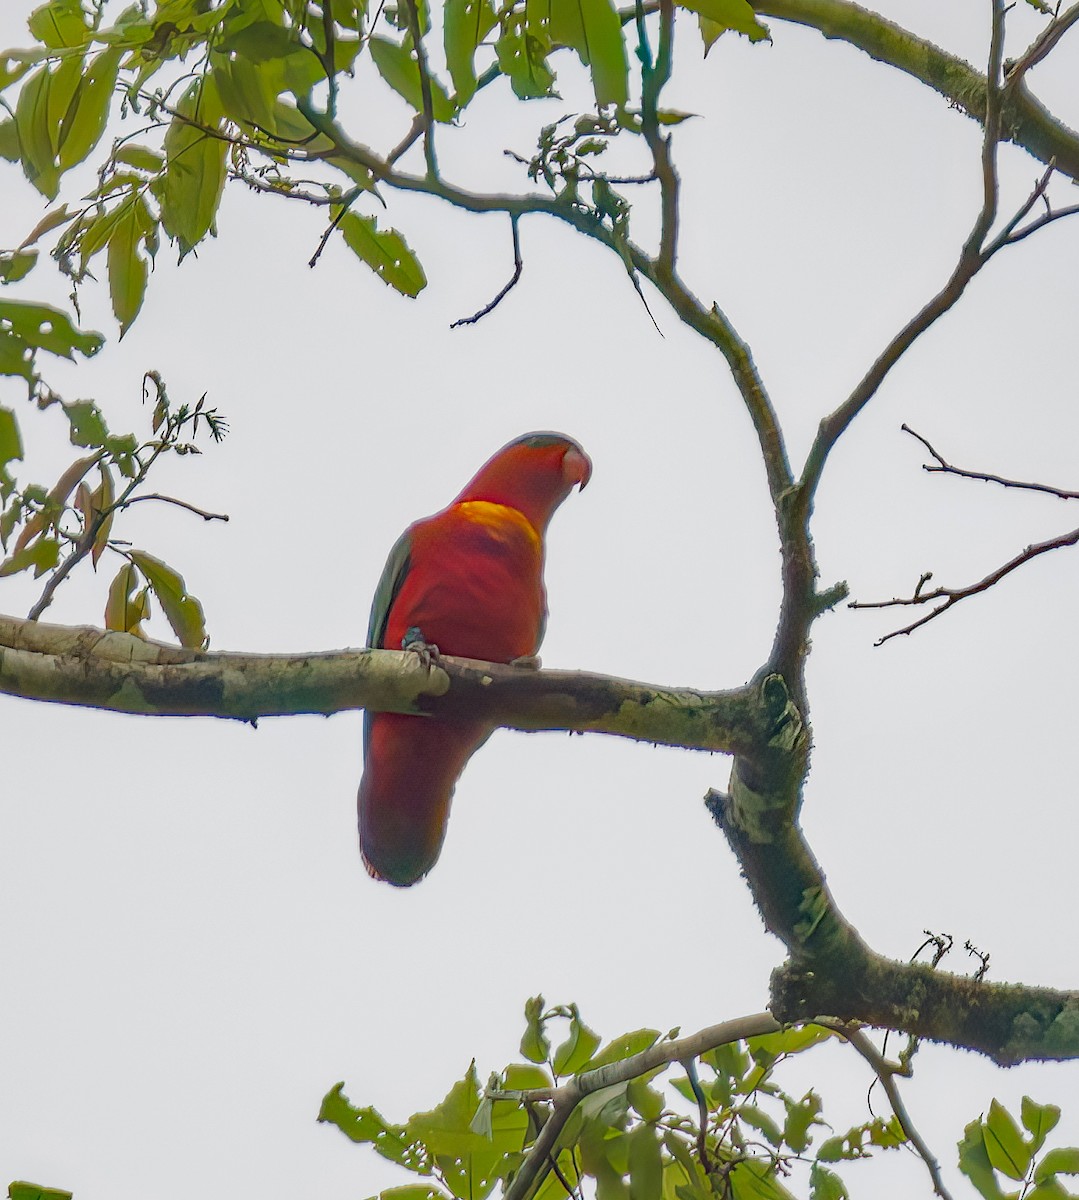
point(527, 662)
point(428, 653)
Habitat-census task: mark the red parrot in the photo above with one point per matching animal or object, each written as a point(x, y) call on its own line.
point(469, 581)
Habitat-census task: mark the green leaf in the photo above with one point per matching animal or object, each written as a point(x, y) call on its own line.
point(87, 424)
point(10, 449)
point(247, 94)
point(183, 611)
point(140, 157)
point(86, 116)
point(770, 1046)
point(575, 1052)
point(523, 1077)
point(412, 1191)
point(9, 140)
point(60, 24)
point(717, 16)
point(1004, 1143)
point(534, 1044)
point(1039, 1120)
point(385, 252)
point(401, 71)
point(645, 1163)
point(367, 1125)
point(128, 269)
point(759, 1119)
point(190, 189)
point(1064, 1161)
point(42, 554)
point(16, 265)
point(121, 612)
point(974, 1162)
point(467, 23)
point(1049, 1189)
point(800, 1117)
point(34, 1191)
point(522, 57)
point(36, 132)
point(625, 1046)
point(41, 327)
point(594, 29)
point(825, 1184)
point(646, 1101)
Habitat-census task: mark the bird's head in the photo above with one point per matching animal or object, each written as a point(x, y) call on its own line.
point(533, 474)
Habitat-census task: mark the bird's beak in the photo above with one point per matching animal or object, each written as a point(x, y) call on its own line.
point(576, 467)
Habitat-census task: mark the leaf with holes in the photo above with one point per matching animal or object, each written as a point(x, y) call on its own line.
point(467, 23)
point(385, 253)
point(41, 327)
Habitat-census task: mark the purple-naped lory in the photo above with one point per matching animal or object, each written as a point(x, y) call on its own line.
point(469, 581)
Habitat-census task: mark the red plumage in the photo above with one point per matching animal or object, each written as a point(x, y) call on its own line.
point(470, 580)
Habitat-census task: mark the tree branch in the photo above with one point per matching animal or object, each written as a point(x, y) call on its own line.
point(564, 1099)
point(1007, 1022)
point(119, 672)
point(1026, 122)
point(886, 1073)
point(952, 596)
point(946, 468)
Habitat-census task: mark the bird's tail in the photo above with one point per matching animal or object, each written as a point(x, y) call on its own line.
point(411, 765)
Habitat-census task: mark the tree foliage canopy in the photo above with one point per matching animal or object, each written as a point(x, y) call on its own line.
point(130, 122)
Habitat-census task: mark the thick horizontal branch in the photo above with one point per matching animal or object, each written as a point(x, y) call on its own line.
point(122, 673)
point(1008, 1022)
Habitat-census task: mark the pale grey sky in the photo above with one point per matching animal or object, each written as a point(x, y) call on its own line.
point(192, 952)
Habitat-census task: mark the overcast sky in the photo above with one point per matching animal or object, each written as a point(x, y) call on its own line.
point(192, 952)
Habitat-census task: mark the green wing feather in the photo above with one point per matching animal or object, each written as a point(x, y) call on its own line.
point(393, 577)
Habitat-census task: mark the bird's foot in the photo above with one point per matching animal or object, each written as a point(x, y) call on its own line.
point(427, 652)
point(527, 662)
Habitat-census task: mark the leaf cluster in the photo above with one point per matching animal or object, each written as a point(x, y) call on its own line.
point(998, 1152)
point(739, 1137)
point(225, 89)
point(49, 530)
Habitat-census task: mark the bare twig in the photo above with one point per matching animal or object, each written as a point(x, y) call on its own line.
point(886, 1072)
point(952, 596)
point(946, 468)
point(518, 266)
point(1042, 45)
point(346, 203)
point(972, 258)
point(191, 508)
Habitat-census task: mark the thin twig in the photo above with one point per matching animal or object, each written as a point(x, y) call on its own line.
point(518, 266)
point(952, 596)
point(972, 258)
point(1042, 45)
point(346, 203)
point(946, 468)
point(191, 508)
point(886, 1072)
